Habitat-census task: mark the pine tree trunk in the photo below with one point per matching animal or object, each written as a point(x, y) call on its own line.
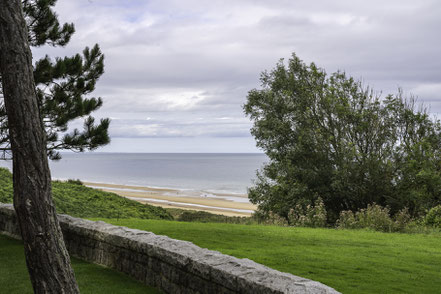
point(46, 255)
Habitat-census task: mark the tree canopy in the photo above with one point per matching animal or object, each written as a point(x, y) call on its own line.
point(328, 136)
point(63, 86)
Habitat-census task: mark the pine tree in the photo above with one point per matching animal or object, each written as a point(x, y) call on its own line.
point(62, 85)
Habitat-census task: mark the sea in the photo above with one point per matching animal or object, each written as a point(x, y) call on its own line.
point(210, 172)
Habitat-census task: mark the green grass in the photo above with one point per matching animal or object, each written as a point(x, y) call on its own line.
point(81, 201)
point(350, 261)
point(91, 278)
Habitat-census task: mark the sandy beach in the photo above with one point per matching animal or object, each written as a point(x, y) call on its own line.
point(218, 203)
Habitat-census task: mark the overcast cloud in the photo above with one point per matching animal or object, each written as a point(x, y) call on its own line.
point(178, 72)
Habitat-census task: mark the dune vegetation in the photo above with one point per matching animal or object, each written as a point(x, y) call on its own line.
point(73, 198)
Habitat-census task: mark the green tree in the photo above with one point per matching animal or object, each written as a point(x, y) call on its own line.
point(328, 136)
point(63, 86)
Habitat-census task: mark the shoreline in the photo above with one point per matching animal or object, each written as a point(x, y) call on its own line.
point(217, 203)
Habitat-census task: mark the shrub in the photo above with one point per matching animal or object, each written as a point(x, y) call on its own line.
point(205, 217)
point(312, 216)
point(274, 219)
point(402, 220)
point(433, 217)
point(376, 218)
point(347, 220)
point(6, 190)
point(75, 182)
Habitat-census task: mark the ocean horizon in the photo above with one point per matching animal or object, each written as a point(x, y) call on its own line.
point(230, 173)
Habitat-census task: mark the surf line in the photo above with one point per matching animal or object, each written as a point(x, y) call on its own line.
point(190, 204)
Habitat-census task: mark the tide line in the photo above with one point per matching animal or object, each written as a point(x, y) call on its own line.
point(190, 204)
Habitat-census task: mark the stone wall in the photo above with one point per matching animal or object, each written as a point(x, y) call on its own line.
point(170, 265)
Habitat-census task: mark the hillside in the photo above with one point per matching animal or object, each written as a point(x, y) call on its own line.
point(80, 201)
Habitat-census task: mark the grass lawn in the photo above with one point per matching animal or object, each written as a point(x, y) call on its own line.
point(350, 261)
point(91, 278)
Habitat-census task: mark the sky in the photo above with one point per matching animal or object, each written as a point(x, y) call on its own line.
point(178, 72)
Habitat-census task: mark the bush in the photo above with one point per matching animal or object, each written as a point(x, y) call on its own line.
point(433, 217)
point(376, 218)
point(206, 217)
point(271, 219)
point(75, 182)
point(347, 220)
point(311, 216)
point(6, 190)
point(402, 220)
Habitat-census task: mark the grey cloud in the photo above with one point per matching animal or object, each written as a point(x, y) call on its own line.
point(162, 128)
point(189, 59)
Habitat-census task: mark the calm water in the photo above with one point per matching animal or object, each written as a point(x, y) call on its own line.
point(231, 173)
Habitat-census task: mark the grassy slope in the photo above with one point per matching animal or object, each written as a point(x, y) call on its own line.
point(91, 278)
point(81, 201)
point(350, 261)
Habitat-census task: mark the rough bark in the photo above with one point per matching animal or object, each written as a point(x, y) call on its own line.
point(46, 255)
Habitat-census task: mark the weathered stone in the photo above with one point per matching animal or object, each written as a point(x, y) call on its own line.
point(173, 266)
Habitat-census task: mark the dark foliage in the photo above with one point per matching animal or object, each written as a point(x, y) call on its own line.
point(63, 86)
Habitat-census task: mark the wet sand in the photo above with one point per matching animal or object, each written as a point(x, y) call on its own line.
point(218, 203)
